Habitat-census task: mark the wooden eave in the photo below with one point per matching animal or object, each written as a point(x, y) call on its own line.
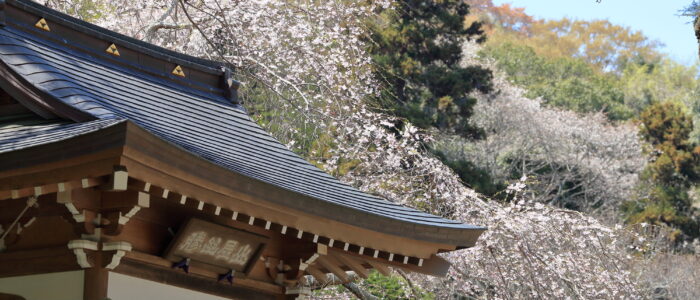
point(150, 159)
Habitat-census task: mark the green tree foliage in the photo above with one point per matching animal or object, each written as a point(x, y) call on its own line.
point(666, 80)
point(417, 48)
point(585, 66)
point(604, 45)
point(693, 10)
point(565, 82)
point(607, 46)
point(393, 287)
point(589, 66)
point(675, 168)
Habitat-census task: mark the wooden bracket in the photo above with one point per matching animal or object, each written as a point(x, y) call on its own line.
point(119, 249)
point(119, 179)
point(79, 247)
point(120, 207)
point(299, 270)
point(320, 250)
point(115, 223)
point(65, 195)
point(271, 264)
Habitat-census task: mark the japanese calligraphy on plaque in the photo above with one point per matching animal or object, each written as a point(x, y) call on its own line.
point(216, 246)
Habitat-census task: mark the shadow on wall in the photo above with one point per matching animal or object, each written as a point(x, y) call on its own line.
point(10, 297)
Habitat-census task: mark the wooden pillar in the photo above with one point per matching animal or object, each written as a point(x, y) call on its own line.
point(96, 277)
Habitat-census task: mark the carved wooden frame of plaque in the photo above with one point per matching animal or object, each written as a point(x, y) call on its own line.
point(194, 226)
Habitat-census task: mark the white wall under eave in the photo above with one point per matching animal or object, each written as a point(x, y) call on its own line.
point(124, 287)
point(53, 286)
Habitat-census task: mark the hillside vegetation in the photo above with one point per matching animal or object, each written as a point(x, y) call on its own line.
point(573, 141)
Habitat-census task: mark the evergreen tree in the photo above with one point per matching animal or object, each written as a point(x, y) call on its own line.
point(675, 168)
point(417, 48)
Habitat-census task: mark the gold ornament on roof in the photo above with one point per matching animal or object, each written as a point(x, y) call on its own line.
point(112, 49)
point(178, 71)
point(42, 24)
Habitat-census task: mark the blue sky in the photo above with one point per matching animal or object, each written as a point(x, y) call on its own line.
point(658, 20)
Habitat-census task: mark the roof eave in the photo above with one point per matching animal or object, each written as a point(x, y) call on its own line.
point(137, 148)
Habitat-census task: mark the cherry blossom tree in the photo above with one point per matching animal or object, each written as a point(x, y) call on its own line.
point(303, 60)
point(306, 77)
point(578, 161)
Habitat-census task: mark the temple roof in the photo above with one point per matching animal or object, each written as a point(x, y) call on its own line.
point(89, 89)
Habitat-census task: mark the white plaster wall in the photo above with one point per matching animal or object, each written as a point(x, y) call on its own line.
point(124, 287)
point(53, 286)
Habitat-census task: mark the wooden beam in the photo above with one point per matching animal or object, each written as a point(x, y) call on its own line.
point(439, 268)
point(352, 264)
point(163, 265)
point(124, 199)
point(382, 268)
point(36, 261)
point(435, 265)
point(332, 266)
point(317, 274)
point(50, 188)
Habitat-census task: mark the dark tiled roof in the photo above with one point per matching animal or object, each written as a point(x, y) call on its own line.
point(27, 131)
point(205, 124)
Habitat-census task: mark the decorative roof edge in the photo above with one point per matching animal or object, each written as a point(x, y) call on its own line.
point(215, 76)
point(126, 134)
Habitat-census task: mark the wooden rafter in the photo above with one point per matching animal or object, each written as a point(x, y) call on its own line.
point(45, 189)
point(333, 266)
point(354, 264)
point(260, 221)
point(317, 274)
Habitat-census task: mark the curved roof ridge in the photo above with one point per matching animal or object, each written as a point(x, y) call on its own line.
point(186, 70)
point(94, 30)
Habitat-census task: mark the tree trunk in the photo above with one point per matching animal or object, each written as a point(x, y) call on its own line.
point(359, 292)
point(696, 26)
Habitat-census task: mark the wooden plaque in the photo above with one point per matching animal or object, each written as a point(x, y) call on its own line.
point(217, 246)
